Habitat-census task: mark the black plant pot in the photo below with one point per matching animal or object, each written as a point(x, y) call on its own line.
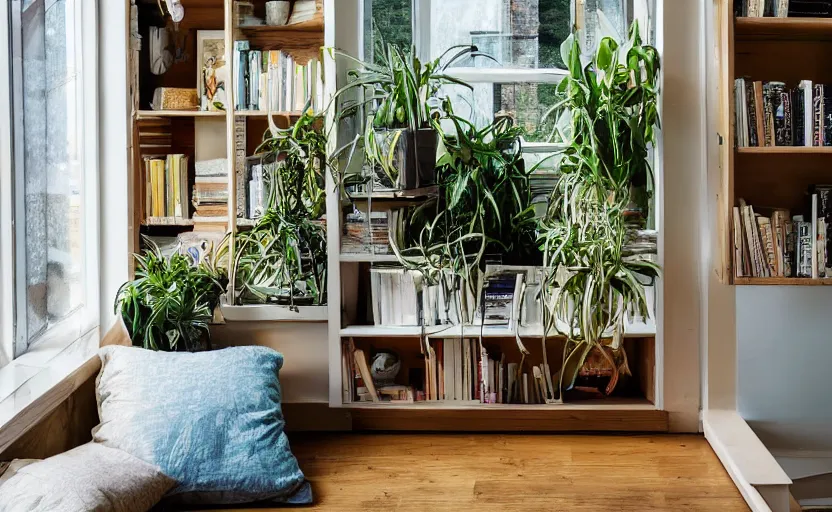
point(413, 158)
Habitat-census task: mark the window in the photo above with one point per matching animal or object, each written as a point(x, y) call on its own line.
point(52, 170)
point(524, 36)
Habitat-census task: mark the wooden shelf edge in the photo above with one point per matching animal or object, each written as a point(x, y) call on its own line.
point(556, 418)
point(785, 150)
point(150, 114)
point(782, 281)
point(274, 313)
point(783, 28)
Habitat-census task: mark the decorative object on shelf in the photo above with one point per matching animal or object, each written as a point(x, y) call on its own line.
point(278, 12)
point(607, 115)
point(384, 368)
point(170, 302)
point(245, 14)
point(160, 55)
point(283, 258)
point(175, 98)
point(212, 68)
point(302, 10)
point(399, 140)
point(175, 9)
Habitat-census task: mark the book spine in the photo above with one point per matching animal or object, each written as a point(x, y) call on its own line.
point(817, 115)
point(751, 107)
point(804, 249)
point(798, 129)
point(768, 113)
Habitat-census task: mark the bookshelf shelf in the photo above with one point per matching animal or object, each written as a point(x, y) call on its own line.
point(611, 403)
point(782, 281)
point(784, 28)
point(153, 114)
point(367, 258)
point(633, 330)
point(274, 313)
point(166, 221)
point(786, 150)
point(260, 113)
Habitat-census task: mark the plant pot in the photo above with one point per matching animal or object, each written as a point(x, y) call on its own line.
point(405, 159)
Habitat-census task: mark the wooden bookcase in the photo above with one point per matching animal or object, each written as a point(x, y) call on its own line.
point(769, 49)
point(205, 135)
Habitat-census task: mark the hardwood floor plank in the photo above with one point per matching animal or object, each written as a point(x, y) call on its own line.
point(498, 472)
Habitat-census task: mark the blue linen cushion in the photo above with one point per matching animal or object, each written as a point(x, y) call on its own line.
point(210, 420)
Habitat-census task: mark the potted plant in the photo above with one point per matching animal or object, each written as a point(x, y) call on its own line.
point(170, 302)
point(483, 208)
point(282, 259)
point(607, 116)
point(399, 138)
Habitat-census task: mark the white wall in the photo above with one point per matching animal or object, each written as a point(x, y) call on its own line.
point(784, 375)
point(113, 115)
point(305, 374)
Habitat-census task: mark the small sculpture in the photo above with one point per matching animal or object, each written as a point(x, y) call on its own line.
point(384, 368)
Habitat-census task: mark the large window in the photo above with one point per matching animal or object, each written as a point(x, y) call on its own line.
point(52, 169)
point(524, 36)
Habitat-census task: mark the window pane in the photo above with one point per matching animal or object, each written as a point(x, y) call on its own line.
point(387, 21)
point(49, 166)
point(527, 103)
point(518, 33)
point(603, 18)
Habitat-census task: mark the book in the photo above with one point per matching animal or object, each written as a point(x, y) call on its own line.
point(803, 247)
point(818, 115)
point(814, 235)
point(751, 106)
point(767, 240)
point(808, 124)
point(366, 376)
point(759, 117)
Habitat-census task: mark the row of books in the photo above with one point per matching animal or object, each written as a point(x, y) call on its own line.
point(166, 186)
point(782, 245)
point(784, 8)
point(770, 114)
point(760, 8)
point(400, 297)
point(272, 80)
point(455, 370)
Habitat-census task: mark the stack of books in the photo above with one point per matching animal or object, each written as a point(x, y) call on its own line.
point(272, 80)
point(210, 195)
point(770, 114)
point(778, 244)
point(363, 236)
point(166, 188)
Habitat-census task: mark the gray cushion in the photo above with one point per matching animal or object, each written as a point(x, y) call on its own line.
point(91, 477)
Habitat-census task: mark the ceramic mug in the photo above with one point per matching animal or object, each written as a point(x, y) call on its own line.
point(277, 12)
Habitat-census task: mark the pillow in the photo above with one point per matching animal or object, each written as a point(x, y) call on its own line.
point(210, 420)
point(90, 477)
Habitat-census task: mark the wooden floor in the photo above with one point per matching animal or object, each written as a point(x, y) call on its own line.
point(486, 472)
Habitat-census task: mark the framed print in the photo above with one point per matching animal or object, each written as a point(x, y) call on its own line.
point(212, 69)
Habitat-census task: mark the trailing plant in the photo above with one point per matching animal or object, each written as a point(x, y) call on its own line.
point(282, 259)
point(398, 92)
point(607, 115)
point(483, 208)
point(170, 302)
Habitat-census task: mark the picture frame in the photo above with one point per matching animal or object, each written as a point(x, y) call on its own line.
point(213, 70)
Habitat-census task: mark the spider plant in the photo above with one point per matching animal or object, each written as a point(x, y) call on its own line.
point(399, 92)
point(483, 208)
point(608, 116)
point(282, 259)
point(170, 302)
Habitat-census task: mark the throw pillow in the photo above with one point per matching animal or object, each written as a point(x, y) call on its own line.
point(210, 420)
point(90, 477)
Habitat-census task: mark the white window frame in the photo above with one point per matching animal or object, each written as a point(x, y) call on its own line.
point(14, 340)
